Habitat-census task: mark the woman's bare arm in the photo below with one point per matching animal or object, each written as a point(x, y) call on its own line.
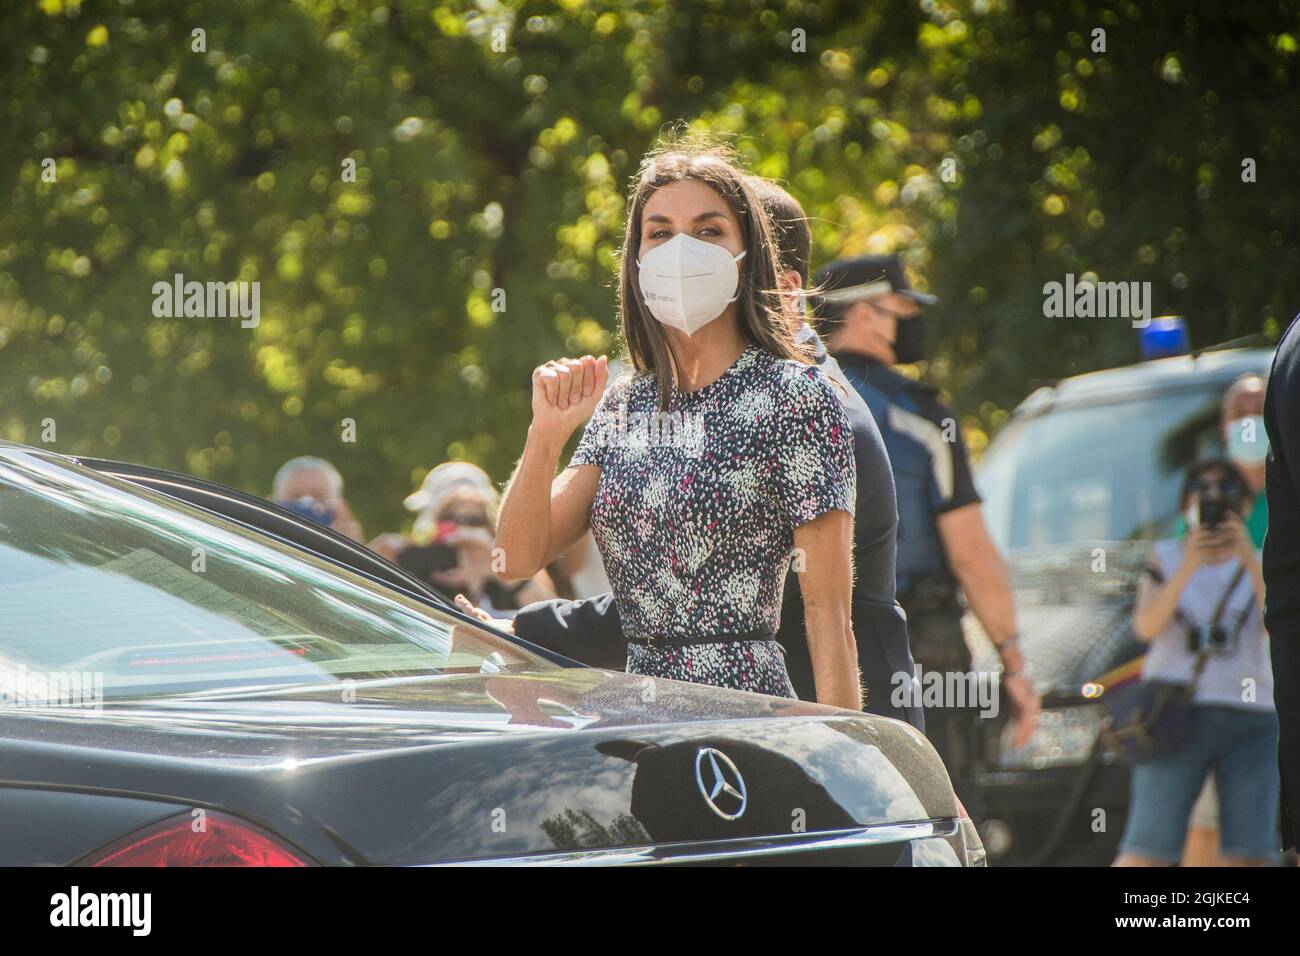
point(825, 544)
point(546, 516)
point(1156, 603)
point(542, 514)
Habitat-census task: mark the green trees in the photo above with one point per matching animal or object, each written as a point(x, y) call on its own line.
point(492, 145)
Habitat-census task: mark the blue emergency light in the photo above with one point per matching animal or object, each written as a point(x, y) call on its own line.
point(1165, 336)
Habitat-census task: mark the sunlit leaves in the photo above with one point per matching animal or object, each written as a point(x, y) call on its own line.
point(493, 143)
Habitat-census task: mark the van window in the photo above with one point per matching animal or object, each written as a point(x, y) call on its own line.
point(1096, 472)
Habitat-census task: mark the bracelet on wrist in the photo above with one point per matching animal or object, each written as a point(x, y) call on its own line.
point(1010, 643)
point(1004, 650)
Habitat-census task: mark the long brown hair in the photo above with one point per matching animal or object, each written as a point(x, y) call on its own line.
point(757, 298)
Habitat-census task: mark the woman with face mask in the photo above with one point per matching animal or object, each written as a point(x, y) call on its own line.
point(722, 463)
point(1199, 608)
point(1246, 445)
point(1246, 441)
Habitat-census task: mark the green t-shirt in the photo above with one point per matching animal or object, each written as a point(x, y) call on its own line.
point(1256, 521)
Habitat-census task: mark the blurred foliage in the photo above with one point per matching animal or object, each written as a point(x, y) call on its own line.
point(493, 144)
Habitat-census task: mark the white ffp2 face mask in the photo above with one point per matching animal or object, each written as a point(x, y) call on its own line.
point(1247, 440)
point(687, 283)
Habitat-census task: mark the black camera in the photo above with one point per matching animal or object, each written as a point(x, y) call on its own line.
point(424, 560)
point(1214, 502)
point(1212, 511)
point(1211, 639)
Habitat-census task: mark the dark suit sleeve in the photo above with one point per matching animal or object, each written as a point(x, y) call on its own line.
point(1282, 562)
point(1282, 544)
point(587, 631)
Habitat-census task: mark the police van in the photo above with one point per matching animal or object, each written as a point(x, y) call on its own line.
point(1076, 486)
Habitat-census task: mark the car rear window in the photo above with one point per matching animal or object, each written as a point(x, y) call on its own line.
point(134, 594)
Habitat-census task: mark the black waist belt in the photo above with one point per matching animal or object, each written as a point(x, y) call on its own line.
point(762, 634)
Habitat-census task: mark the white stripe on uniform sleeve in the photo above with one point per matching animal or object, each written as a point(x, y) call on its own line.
point(931, 436)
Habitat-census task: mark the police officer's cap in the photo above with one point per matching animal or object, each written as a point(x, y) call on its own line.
point(846, 281)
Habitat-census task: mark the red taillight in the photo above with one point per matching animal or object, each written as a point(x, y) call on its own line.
point(210, 840)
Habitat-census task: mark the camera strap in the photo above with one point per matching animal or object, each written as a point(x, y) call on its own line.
point(1218, 614)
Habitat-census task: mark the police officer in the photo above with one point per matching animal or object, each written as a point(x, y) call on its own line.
point(871, 320)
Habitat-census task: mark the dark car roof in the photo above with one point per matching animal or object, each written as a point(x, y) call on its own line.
point(266, 516)
point(1207, 369)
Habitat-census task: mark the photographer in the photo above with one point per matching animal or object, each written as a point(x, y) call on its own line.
point(1241, 422)
point(1199, 607)
point(451, 541)
point(313, 488)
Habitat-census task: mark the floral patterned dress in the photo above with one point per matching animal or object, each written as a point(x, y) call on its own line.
point(696, 508)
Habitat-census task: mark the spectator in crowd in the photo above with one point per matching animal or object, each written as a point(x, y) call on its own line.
point(581, 570)
point(1246, 439)
point(1199, 608)
point(451, 540)
point(1241, 422)
point(313, 488)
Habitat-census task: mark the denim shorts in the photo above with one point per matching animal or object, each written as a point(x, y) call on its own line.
point(1240, 747)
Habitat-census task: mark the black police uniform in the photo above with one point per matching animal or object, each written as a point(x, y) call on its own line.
point(932, 476)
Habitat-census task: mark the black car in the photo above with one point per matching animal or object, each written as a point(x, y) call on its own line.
point(196, 678)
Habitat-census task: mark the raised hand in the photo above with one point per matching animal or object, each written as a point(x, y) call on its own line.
point(565, 393)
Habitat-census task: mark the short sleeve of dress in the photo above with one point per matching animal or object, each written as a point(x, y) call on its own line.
point(812, 466)
point(597, 434)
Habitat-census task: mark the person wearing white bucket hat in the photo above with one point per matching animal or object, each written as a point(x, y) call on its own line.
point(443, 480)
point(451, 540)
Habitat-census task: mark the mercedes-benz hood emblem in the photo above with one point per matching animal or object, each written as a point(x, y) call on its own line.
point(721, 784)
